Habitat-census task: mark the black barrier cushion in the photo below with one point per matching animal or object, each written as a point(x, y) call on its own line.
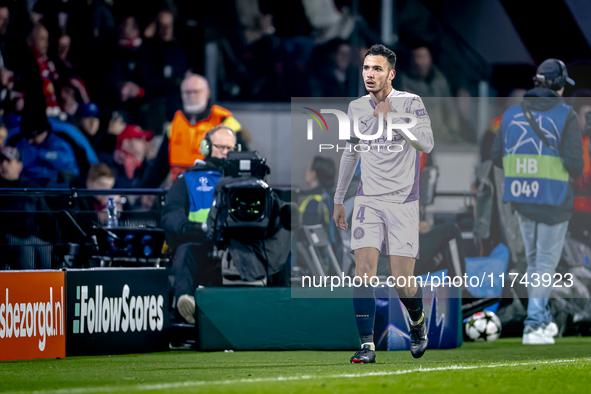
point(270, 319)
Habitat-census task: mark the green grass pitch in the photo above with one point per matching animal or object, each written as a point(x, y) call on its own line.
point(501, 366)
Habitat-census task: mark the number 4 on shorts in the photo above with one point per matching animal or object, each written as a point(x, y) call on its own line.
point(360, 214)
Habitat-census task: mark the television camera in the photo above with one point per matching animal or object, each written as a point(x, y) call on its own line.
point(245, 207)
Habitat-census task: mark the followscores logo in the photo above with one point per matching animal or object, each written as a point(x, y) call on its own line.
point(111, 314)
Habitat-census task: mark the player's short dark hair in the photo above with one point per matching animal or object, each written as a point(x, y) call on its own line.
point(381, 50)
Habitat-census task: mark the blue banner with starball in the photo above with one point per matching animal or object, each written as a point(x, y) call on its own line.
point(443, 311)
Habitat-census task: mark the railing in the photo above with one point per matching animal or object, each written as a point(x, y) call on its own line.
point(42, 239)
point(73, 193)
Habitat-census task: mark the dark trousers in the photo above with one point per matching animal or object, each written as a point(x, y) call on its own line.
point(193, 266)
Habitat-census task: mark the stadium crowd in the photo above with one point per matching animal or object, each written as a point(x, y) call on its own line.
point(98, 81)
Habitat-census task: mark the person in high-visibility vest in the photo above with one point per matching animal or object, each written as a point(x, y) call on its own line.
point(181, 145)
point(539, 146)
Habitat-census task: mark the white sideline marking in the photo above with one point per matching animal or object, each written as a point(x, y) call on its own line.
point(167, 386)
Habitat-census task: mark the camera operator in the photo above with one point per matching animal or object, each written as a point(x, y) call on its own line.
point(187, 206)
point(250, 222)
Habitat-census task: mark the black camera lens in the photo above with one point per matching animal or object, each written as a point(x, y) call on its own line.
point(247, 205)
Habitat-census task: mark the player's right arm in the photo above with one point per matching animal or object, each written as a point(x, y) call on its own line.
point(349, 161)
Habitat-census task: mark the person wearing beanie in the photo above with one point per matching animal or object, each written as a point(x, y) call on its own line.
point(539, 146)
point(129, 157)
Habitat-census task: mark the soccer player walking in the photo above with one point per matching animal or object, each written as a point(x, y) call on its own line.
point(387, 203)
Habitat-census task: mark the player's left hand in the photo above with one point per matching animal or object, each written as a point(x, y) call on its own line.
point(340, 216)
point(383, 107)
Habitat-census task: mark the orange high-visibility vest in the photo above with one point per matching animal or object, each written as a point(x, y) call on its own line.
point(185, 139)
point(582, 184)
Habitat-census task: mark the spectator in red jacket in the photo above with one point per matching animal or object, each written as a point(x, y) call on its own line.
point(129, 158)
point(38, 42)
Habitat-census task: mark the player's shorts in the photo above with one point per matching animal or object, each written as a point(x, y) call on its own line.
point(394, 224)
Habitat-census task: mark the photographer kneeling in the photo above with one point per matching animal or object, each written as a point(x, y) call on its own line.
point(187, 205)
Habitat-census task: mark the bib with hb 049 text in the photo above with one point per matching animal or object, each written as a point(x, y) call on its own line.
point(533, 172)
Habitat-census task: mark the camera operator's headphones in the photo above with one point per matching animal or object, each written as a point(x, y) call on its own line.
point(558, 82)
point(206, 144)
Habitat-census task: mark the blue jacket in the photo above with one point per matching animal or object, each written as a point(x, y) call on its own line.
point(63, 127)
point(77, 136)
point(188, 202)
point(45, 163)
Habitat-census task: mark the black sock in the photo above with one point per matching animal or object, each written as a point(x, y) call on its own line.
point(364, 304)
point(414, 305)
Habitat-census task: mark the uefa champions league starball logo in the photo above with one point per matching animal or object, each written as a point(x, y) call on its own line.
point(358, 233)
point(205, 187)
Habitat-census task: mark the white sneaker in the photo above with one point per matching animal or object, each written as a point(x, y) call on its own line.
point(550, 329)
point(186, 307)
point(536, 337)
